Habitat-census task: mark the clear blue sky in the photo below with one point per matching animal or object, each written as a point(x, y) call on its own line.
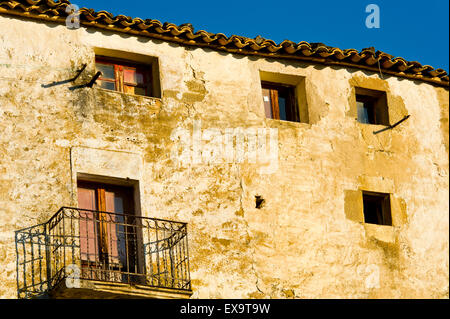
point(415, 30)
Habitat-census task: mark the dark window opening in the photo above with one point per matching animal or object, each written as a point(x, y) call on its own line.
point(377, 208)
point(279, 102)
point(372, 107)
point(126, 77)
point(259, 201)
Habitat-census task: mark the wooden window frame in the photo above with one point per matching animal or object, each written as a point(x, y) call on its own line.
point(376, 102)
point(293, 115)
point(119, 80)
point(100, 198)
point(101, 221)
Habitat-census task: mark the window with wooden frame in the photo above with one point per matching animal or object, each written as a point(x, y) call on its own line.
point(126, 77)
point(109, 234)
point(372, 107)
point(280, 102)
point(377, 208)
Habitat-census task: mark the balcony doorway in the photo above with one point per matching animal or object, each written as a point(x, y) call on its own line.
point(110, 237)
point(106, 241)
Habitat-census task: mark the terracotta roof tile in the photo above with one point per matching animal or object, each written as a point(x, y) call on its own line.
point(366, 59)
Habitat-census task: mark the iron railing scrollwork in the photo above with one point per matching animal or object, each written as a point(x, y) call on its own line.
point(103, 246)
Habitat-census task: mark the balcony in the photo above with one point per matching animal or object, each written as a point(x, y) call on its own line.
point(82, 253)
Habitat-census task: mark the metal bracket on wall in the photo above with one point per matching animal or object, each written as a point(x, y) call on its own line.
point(390, 127)
point(79, 72)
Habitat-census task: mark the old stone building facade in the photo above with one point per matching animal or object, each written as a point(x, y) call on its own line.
point(341, 210)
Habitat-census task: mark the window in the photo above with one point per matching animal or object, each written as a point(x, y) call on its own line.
point(279, 102)
point(124, 77)
point(109, 232)
point(377, 208)
point(372, 107)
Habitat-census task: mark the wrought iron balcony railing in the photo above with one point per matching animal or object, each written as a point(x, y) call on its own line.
point(93, 245)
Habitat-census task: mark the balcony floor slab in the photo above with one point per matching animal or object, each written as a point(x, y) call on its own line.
point(89, 289)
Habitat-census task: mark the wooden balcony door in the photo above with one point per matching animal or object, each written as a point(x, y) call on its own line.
point(109, 243)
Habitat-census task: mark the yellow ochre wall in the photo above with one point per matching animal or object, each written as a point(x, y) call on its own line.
point(308, 240)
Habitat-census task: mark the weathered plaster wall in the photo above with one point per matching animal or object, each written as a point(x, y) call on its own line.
point(304, 242)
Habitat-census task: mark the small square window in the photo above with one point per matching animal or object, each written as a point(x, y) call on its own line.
point(377, 208)
point(279, 102)
point(372, 107)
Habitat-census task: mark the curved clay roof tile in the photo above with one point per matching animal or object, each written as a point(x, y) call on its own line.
point(371, 60)
point(87, 14)
point(238, 41)
point(437, 72)
point(160, 30)
point(274, 48)
point(190, 35)
point(126, 21)
point(222, 39)
point(416, 67)
point(102, 13)
point(205, 36)
point(401, 64)
point(307, 52)
point(338, 54)
point(403, 67)
point(356, 57)
point(387, 64)
point(426, 71)
point(325, 54)
point(137, 21)
point(256, 47)
point(155, 23)
point(304, 46)
point(105, 17)
point(173, 29)
point(289, 46)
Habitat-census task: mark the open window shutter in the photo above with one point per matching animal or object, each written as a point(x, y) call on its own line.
point(119, 77)
point(103, 232)
point(275, 106)
point(387, 217)
point(116, 229)
point(88, 231)
point(267, 103)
